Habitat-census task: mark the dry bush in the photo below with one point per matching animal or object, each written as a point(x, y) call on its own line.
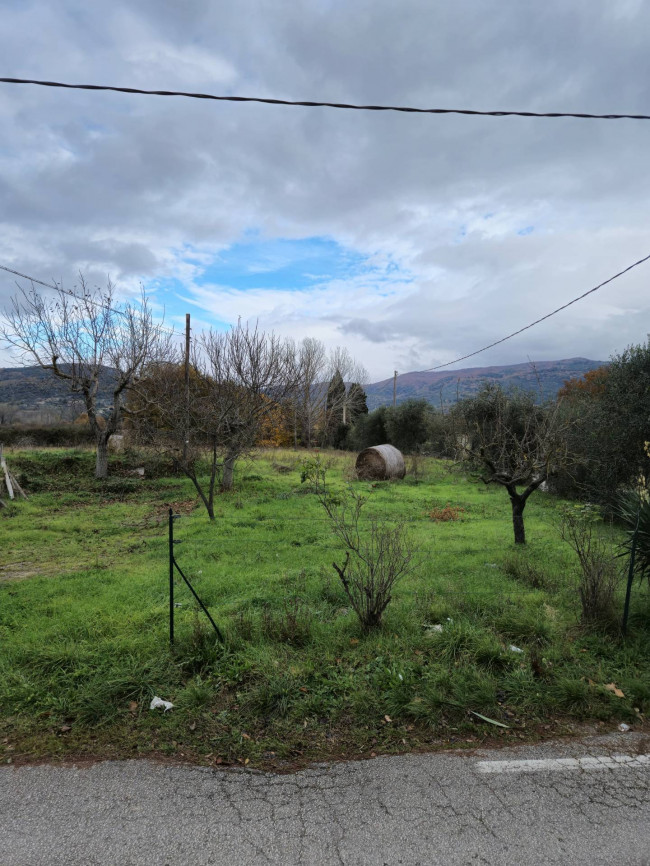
point(600, 572)
point(377, 555)
point(449, 512)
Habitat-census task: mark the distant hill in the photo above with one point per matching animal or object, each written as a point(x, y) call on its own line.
point(446, 385)
point(30, 389)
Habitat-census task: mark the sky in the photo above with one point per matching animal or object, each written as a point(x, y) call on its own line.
point(409, 239)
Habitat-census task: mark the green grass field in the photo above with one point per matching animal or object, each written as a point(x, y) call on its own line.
point(84, 620)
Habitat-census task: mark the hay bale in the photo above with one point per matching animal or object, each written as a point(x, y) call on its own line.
point(379, 463)
point(116, 442)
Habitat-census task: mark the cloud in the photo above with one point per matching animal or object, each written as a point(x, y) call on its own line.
point(487, 223)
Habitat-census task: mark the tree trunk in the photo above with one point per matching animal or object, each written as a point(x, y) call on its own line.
point(228, 472)
point(101, 459)
point(518, 504)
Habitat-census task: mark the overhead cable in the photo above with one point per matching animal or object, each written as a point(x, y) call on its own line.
point(313, 104)
point(537, 321)
point(86, 299)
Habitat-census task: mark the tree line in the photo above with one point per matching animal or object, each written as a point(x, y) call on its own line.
point(244, 387)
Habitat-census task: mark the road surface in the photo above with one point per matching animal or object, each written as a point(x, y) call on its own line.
point(584, 802)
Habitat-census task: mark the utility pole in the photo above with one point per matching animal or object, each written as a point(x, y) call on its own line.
point(186, 441)
point(394, 388)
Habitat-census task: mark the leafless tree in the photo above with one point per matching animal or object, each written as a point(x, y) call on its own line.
point(237, 379)
point(311, 391)
point(351, 371)
point(251, 373)
point(324, 396)
point(87, 341)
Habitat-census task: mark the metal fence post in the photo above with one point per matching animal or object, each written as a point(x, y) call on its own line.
point(630, 576)
point(171, 576)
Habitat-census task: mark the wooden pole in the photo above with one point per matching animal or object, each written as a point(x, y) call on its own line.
point(3, 466)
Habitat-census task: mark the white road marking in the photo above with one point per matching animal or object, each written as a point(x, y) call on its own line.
point(604, 762)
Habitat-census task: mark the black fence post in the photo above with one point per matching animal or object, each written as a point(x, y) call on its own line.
point(171, 576)
point(630, 576)
point(174, 565)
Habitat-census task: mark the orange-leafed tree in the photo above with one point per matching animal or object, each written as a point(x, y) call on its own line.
point(592, 384)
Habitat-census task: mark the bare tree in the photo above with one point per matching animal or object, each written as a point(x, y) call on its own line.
point(252, 372)
point(237, 380)
point(342, 363)
point(311, 391)
point(513, 442)
point(87, 342)
point(327, 393)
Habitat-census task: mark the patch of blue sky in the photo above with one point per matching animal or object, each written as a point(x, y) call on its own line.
point(526, 231)
point(171, 295)
point(291, 265)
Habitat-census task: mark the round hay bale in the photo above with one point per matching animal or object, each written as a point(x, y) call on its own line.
point(379, 463)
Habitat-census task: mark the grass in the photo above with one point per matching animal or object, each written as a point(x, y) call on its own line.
point(84, 620)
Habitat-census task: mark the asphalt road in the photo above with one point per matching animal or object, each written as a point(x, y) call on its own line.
point(512, 806)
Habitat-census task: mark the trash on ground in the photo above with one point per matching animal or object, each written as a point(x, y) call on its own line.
point(623, 727)
point(486, 719)
point(612, 687)
point(514, 649)
point(158, 702)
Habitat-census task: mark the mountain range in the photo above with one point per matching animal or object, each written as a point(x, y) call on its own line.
point(32, 390)
point(444, 387)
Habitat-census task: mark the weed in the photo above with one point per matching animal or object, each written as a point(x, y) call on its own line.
point(198, 651)
point(572, 695)
point(290, 625)
point(524, 625)
point(197, 694)
point(274, 697)
point(519, 567)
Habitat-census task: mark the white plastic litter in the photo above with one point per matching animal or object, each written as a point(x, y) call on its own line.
point(514, 649)
point(158, 702)
point(623, 727)
point(436, 627)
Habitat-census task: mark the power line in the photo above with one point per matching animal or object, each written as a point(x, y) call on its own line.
point(537, 321)
point(312, 104)
point(71, 294)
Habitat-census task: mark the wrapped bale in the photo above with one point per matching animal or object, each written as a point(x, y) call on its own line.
point(380, 463)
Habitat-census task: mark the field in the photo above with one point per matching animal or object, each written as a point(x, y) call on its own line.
point(84, 620)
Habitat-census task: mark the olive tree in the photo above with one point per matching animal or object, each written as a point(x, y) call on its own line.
point(88, 341)
point(513, 442)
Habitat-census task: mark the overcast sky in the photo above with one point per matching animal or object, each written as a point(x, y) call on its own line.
point(410, 239)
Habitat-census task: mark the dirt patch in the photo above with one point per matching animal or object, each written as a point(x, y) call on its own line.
point(18, 571)
point(160, 514)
